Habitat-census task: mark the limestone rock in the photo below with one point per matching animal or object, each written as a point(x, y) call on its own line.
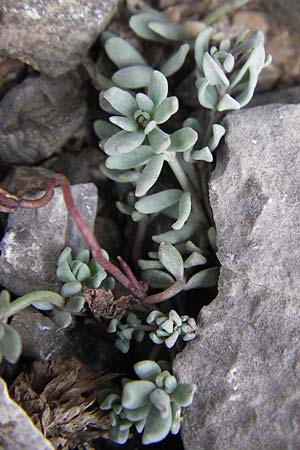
point(245, 359)
point(17, 432)
point(37, 117)
point(34, 239)
point(52, 35)
point(287, 11)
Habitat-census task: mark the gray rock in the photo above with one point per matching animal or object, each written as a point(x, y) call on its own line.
point(287, 11)
point(16, 429)
point(245, 359)
point(42, 340)
point(37, 117)
point(52, 35)
point(283, 96)
point(34, 238)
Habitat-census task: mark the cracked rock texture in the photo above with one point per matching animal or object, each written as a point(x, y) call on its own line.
point(53, 36)
point(246, 358)
point(16, 429)
point(37, 117)
point(33, 240)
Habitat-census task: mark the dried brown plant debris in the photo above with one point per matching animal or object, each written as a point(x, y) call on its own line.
point(60, 397)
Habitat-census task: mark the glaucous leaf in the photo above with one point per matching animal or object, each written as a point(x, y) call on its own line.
point(139, 23)
point(158, 279)
point(147, 370)
point(171, 341)
point(183, 139)
point(145, 264)
point(83, 256)
point(204, 279)
point(71, 288)
point(218, 132)
point(61, 318)
point(149, 175)
point(144, 102)
point(135, 415)
point(172, 260)
point(184, 210)
point(135, 393)
point(203, 155)
point(133, 77)
point(161, 401)
point(207, 95)
point(214, 72)
point(66, 255)
point(122, 53)
point(169, 30)
point(184, 394)
point(157, 427)
point(123, 142)
point(136, 158)
point(195, 259)
point(176, 61)
point(158, 87)
point(228, 103)
point(10, 344)
point(75, 304)
point(126, 123)
point(166, 109)
point(159, 140)
point(158, 202)
point(176, 236)
point(122, 101)
point(104, 129)
point(202, 45)
point(64, 273)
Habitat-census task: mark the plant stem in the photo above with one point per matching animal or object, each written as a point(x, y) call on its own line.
point(187, 186)
point(173, 290)
point(34, 297)
point(223, 10)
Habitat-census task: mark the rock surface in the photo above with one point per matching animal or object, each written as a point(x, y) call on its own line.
point(245, 359)
point(37, 117)
point(34, 238)
point(52, 35)
point(287, 11)
point(16, 429)
point(283, 96)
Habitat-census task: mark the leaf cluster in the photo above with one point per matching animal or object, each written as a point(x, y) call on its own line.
point(152, 404)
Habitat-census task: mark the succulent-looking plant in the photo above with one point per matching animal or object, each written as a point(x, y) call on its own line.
point(10, 341)
point(76, 274)
point(162, 328)
point(227, 71)
point(152, 404)
point(170, 328)
point(126, 331)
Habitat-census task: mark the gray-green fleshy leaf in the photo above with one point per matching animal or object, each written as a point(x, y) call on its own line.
point(122, 53)
point(157, 427)
point(183, 139)
point(147, 370)
point(61, 318)
point(139, 24)
point(149, 175)
point(158, 87)
point(136, 415)
point(104, 129)
point(195, 259)
point(161, 400)
point(169, 30)
point(176, 236)
point(229, 62)
point(64, 273)
point(135, 393)
point(66, 255)
point(145, 264)
point(159, 140)
point(202, 45)
point(171, 340)
point(121, 101)
point(228, 103)
point(176, 422)
point(144, 102)
point(75, 304)
point(183, 394)
point(176, 61)
point(207, 95)
point(158, 279)
point(166, 109)
point(184, 210)
point(218, 132)
point(136, 158)
point(158, 202)
point(133, 77)
point(123, 142)
point(126, 123)
point(10, 344)
point(204, 279)
point(203, 155)
point(214, 72)
point(71, 288)
point(171, 259)
point(83, 256)
point(122, 345)
point(120, 176)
